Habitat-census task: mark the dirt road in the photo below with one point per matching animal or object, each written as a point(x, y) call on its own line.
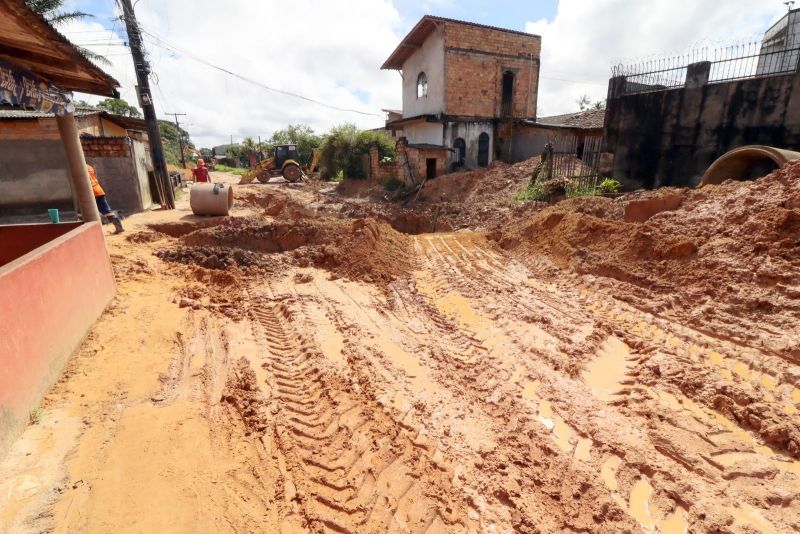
point(295, 370)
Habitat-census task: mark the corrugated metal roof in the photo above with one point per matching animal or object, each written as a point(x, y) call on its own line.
point(24, 114)
point(129, 123)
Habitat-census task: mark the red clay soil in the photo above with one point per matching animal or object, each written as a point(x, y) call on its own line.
point(726, 261)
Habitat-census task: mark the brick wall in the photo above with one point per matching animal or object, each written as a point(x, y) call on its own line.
point(378, 171)
point(475, 60)
point(106, 147)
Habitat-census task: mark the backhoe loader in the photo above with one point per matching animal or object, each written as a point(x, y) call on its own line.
point(282, 163)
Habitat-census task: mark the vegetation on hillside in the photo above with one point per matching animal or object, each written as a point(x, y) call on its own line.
point(170, 135)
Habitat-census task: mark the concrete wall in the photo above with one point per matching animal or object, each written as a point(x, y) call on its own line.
point(528, 141)
point(120, 164)
point(33, 176)
point(430, 60)
point(669, 138)
point(34, 172)
point(16, 241)
point(51, 298)
point(470, 132)
point(424, 132)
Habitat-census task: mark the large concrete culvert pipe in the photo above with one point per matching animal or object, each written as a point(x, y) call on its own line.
point(211, 199)
point(747, 163)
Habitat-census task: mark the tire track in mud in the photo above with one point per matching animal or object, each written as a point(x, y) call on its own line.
point(350, 467)
point(642, 492)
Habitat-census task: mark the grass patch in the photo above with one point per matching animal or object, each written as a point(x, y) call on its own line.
point(233, 170)
point(533, 191)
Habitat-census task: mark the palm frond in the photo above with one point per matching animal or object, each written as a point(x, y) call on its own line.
point(94, 56)
point(57, 19)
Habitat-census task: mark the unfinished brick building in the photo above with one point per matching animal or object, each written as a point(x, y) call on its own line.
point(463, 86)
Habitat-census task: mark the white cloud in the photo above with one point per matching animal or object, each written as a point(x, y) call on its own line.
point(332, 51)
point(329, 51)
point(586, 38)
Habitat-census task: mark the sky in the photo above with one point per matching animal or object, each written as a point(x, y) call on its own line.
point(330, 51)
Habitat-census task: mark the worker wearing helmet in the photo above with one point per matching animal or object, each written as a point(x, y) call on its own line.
point(102, 201)
point(201, 172)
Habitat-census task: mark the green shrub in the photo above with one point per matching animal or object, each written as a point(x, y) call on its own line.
point(609, 185)
point(533, 191)
point(343, 147)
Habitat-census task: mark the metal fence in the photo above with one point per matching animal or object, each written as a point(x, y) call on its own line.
point(730, 63)
point(573, 157)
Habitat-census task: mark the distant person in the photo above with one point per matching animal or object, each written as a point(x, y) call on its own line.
point(201, 172)
point(102, 202)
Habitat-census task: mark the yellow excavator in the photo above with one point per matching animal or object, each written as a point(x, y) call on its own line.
point(284, 162)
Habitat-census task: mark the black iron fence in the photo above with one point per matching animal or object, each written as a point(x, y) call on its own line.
point(573, 158)
point(705, 65)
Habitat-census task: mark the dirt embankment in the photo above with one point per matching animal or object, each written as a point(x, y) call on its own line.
point(724, 259)
point(479, 199)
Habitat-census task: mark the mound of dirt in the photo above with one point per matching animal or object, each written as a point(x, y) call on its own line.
point(217, 257)
point(274, 203)
point(718, 257)
point(364, 249)
point(257, 235)
point(479, 199)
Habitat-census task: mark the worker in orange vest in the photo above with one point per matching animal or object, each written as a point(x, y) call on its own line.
point(102, 202)
point(201, 172)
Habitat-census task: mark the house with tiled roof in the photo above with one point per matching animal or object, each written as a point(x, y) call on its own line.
point(531, 136)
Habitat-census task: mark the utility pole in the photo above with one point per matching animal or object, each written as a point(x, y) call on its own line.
point(180, 135)
point(142, 68)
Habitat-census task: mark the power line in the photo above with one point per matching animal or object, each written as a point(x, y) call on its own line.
point(158, 41)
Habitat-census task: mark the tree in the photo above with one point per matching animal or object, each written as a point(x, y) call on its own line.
point(343, 147)
point(302, 136)
point(52, 11)
point(119, 106)
point(585, 103)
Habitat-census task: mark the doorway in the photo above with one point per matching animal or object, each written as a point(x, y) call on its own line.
point(430, 168)
point(483, 150)
point(460, 147)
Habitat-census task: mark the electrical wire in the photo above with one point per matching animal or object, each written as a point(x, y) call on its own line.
point(158, 41)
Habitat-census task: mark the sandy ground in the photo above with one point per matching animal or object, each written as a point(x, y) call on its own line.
point(448, 386)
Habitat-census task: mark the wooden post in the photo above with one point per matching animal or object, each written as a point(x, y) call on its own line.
point(81, 186)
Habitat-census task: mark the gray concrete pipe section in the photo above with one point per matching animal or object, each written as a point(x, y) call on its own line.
point(737, 163)
point(211, 199)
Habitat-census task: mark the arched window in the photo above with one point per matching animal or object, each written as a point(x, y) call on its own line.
point(483, 150)
point(422, 85)
point(460, 147)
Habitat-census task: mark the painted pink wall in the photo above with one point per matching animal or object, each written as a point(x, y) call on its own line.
point(49, 299)
point(18, 240)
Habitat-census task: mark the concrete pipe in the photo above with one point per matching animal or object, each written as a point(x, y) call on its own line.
point(748, 162)
point(211, 199)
